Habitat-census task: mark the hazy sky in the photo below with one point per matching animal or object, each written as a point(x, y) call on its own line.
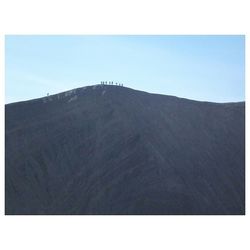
point(209, 68)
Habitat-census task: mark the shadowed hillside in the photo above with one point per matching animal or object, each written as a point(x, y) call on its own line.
point(114, 150)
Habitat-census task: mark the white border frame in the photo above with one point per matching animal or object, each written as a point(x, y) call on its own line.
point(123, 17)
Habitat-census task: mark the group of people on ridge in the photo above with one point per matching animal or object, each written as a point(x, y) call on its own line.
point(111, 83)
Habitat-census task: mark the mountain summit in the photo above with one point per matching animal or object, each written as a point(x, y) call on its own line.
point(107, 149)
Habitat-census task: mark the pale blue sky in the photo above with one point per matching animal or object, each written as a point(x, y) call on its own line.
point(207, 68)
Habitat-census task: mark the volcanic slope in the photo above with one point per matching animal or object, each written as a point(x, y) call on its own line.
point(107, 149)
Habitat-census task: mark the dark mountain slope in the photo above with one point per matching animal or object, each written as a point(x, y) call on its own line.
point(114, 150)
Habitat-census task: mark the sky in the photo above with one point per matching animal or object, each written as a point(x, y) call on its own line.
point(204, 68)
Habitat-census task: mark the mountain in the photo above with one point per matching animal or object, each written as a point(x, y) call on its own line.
point(107, 149)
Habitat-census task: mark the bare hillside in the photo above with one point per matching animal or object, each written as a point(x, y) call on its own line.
point(114, 150)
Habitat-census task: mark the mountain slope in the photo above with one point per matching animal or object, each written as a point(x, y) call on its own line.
point(114, 150)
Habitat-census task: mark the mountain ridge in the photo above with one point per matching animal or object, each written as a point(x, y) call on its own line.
point(107, 149)
point(115, 86)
